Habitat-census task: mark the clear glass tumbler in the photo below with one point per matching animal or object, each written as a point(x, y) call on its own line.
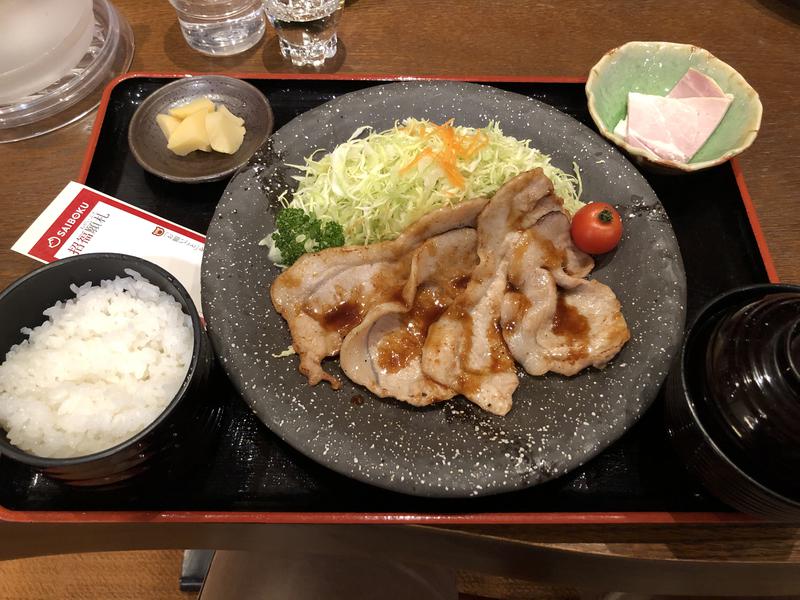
point(306, 28)
point(221, 27)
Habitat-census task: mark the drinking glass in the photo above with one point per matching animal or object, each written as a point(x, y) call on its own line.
point(220, 27)
point(306, 28)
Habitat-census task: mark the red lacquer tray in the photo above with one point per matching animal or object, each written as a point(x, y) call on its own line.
point(255, 477)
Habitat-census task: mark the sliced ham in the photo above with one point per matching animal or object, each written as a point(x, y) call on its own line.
point(673, 128)
point(695, 84)
point(676, 126)
point(622, 128)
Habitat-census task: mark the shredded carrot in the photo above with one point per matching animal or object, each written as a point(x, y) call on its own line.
point(420, 156)
point(454, 147)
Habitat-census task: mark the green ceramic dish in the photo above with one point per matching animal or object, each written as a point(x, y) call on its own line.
point(654, 68)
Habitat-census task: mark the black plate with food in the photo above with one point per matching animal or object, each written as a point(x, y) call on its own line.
point(254, 471)
point(452, 449)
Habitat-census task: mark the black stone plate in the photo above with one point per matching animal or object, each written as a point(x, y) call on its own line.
point(453, 449)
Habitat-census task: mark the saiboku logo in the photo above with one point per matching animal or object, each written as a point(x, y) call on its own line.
point(53, 241)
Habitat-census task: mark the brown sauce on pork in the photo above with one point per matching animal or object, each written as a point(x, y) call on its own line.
point(459, 284)
point(398, 349)
point(498, 351)
point(572, 325)
point(343, 317)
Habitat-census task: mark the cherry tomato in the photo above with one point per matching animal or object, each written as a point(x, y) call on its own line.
point(596, 228)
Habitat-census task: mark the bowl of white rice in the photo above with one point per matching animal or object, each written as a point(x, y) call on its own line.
point(105, 362)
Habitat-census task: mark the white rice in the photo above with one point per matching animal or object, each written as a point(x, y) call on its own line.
point(101, 369)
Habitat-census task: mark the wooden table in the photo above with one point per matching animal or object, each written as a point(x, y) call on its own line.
point(488, 38)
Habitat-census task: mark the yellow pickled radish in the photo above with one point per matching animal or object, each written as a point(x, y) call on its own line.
point(190, 135)
point(186, 110)
point(225, 131)
point(168, 124)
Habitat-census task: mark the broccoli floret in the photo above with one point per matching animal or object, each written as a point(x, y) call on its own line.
point(297, 233)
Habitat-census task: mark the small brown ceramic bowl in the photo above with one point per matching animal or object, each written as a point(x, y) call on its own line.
point(149, 146)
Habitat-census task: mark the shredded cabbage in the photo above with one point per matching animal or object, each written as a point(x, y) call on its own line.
point(376, 186)
point(290, 351)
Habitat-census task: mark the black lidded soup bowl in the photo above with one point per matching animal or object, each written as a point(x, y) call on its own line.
point(733, 399)
point(182, 429)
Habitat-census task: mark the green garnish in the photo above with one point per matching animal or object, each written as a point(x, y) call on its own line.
point(297, 233)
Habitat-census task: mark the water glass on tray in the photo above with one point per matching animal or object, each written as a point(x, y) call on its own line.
point(221, 27)
point(306, 29)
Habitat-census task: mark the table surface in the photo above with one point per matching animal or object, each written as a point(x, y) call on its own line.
point(493, 38)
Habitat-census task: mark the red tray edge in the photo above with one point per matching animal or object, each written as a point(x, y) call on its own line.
point(547, 518)
point(332, 518)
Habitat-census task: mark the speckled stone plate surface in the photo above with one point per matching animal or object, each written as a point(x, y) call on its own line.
point(452, 449)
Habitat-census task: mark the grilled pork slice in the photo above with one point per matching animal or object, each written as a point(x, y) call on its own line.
point(551, 328)
point(465, 350)
point(384, 352)
point(562, 330)
point(323, 296)
point(557, 252)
